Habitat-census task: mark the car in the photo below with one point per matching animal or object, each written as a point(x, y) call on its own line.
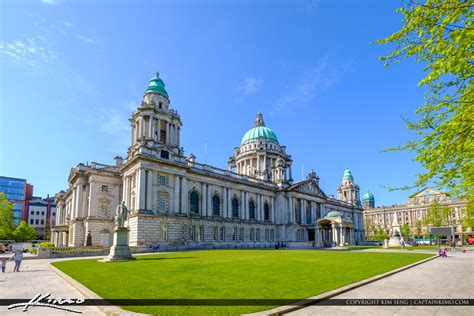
point(470, 240)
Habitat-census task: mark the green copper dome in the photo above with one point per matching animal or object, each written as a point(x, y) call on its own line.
point(157, 85)
point(259, 131)
point(368, 197)
point(333, 214)
point(347, 175)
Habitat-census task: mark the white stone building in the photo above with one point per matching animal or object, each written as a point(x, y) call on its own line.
point(174, 200)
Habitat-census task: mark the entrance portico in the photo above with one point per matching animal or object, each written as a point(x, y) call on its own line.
point(334, 230)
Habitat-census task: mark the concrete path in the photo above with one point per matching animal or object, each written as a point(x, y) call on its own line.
point(451, 277)
point(35, 277)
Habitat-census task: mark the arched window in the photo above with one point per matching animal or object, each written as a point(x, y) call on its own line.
point(266, 212)
point(235, 207)
point(251, 210)
point(194, 202)
point(215, 205)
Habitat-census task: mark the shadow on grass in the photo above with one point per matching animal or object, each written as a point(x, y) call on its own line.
point(168, 258)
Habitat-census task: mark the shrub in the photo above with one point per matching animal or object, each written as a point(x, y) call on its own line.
point(46, 244)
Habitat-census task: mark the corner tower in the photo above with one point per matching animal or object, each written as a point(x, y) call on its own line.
point(349, 191)
point(155, 126)
point(368, 200)
point(260, 155)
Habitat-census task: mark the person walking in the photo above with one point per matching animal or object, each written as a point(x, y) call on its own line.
point(453, 246)
point(18, 256)
point(4, 265)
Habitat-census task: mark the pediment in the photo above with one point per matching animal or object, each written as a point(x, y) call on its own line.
point(427, 192)
point(309, 187)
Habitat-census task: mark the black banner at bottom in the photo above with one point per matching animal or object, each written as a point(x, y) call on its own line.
point(263, 302)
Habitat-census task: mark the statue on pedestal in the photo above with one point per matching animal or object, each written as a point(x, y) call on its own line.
point(120, 250)
point(395, 240)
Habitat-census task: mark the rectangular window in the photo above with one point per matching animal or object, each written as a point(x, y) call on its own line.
point(251, 234)
point(54, 214)
point(37, 213)
point(241, 236)
point(37, 222)
point(234, 233)
point(201, 233)
point(42, 213)
point(216, 233)
point(32, 213)
point(104, 188)
point(257, 234)
point(31, 222)
point(162, 180)
point(42, 222)
point(163, 203)
point(222, 233)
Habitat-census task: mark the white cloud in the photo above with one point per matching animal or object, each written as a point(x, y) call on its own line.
point(250, 85)
point(68, 24)
point(49, 2)
point(311, 83)
point(28, 51)
point(85, 39)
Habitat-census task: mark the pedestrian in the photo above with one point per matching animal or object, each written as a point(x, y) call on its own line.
point(4, 264)
point(18, 256)
point(453, 246)
point(403, 244)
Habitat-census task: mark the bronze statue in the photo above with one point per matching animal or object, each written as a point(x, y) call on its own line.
point(121, 215)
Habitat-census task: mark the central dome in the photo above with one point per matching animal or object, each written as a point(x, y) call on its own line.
point(259, 131)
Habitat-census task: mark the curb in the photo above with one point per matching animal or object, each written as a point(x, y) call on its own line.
point(324, 296)
point(106, 309)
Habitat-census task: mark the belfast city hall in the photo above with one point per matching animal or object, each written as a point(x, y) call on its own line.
point(175, 201)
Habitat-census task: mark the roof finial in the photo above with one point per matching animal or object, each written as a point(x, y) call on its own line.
point(157, 74)
point(259, 120)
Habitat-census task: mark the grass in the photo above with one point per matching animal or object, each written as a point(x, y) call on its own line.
point(229, 274)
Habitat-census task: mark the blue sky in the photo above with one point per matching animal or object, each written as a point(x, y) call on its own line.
point(72, 71)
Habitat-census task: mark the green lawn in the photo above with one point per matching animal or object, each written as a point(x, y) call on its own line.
point(230, 274)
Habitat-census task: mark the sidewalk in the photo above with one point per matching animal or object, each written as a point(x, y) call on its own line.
point(443, 278)
point(35, 277)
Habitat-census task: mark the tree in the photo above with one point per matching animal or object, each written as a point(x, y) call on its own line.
point(439, 34)
point(6, 217)
point(380, 234)
point(418, 229)
point(437, 215)
point(405, 231)
point(467, 219)
point(24, 232)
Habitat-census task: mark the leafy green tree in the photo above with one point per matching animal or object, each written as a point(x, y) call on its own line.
point(439, 34)
point(467, 219)
point(6, 217)
point(437, 215)
point(426, 234)
point(380, 234)
point(405, 231)
point(24, 232)
point(418, 229)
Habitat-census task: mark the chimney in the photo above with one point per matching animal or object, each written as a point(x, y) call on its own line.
point(118, 161)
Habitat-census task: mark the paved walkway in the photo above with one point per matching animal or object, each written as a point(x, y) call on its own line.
point(35, 277)
point(451, 277)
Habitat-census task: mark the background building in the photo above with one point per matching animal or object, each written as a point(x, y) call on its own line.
point(18, 192)
point(413, 212)
point(42, 215)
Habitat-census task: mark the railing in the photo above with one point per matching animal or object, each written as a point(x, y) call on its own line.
point(62, 252)
point(100, 166)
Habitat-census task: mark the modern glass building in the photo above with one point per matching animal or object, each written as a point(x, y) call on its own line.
point(15, 190)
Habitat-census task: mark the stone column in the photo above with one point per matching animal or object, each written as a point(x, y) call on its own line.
point(242, 205)
point(176, 195)
point(272, 209)
point(290, 210)
point(184, 196)
point(150, 127)
point(149, 195)
point(224, 203)
point(140, 198)
point(246, 206)
point(124, 190)
point(257, 207)
point(303, 212)
point(203, 199)
point(343, 235)
point(167, 133)
point(209, 200)
point(313, 212)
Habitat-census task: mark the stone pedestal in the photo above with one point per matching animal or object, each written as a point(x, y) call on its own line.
point(394, 241)
point(120, 250)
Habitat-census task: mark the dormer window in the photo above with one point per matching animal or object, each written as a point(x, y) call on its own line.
point(160, 104)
